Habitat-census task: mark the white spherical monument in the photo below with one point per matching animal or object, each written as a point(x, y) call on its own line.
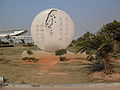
point(52, 29)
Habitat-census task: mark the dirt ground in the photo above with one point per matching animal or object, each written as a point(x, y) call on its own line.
point(49, 61)
point(49, 70)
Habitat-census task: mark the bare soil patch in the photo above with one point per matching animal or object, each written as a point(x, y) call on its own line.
point(48, 63)
point(58, 73)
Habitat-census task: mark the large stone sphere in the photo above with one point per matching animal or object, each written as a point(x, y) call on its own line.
point(52, 29)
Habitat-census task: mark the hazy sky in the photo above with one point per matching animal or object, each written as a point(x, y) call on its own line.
point(88, 15)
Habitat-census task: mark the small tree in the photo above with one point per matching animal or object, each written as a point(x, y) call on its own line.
point(60, 53)
point(30, 59)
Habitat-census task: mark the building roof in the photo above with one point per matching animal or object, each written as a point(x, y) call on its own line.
point(4, 33)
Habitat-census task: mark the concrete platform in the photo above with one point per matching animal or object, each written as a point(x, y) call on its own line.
point(100, 86)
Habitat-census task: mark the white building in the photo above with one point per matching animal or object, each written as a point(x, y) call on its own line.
point(15, 35)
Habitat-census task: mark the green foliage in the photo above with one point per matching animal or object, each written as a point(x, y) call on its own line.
point(60, 52)
point(29, 59)
point(113, 29)
point(90, 58)
point(86, 43)
point(73, 43)
point(102, 44)
point(29, 52)
point(30, 44)
point(25, 58)
point(63, 58)
point(6, 45)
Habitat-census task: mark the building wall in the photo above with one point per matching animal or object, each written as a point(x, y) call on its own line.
point(17, 39)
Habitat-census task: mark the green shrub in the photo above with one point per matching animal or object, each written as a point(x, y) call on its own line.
point(2, 42)
point(63, 58)
point(33, 59)
point(29, 52)
point(25, 58)
point(28, 45)
point(30, 59)
point(60, 53)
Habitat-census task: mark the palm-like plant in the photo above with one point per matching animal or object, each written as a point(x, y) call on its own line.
point(99, 47)
point(86, 43)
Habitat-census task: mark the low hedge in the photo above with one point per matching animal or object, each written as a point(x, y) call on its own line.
point(6, 45)
point(2, 42)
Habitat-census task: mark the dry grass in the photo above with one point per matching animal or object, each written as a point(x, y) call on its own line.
point(74, 71)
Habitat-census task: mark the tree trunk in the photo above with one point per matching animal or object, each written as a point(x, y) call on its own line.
point(107, 68)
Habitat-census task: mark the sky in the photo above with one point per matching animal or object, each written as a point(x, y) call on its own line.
point(88, 15)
